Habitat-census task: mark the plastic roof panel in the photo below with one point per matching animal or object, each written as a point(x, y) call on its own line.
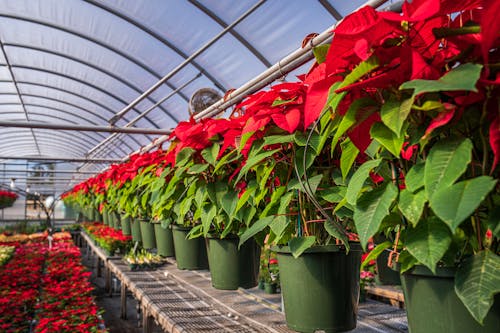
point(81, 62)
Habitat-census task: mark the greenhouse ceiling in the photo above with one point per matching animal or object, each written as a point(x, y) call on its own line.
point(74, 72)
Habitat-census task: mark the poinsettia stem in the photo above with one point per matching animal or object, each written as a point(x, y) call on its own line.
point(450, 32)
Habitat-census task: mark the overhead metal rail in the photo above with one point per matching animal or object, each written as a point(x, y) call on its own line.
point(136, 119)
point(60, 158)
point(43, 171)
point(68, 127)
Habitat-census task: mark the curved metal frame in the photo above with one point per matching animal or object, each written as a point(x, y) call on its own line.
point(61, 135)
point(75, 106)
point(99, 69)
point(95, 41)
point(234, 33)
point(57, 100)
point(41, 114)
point(164, 41)
point(47, 143)
point(69, 77)
point(58, 89)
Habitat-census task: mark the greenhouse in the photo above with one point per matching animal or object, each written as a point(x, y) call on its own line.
point(249, 166)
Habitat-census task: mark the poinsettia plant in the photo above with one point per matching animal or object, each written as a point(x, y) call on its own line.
point(413, 104)
point(7, 199)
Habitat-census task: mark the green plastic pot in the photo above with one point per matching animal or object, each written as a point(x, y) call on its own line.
point(125, 224)
point(105, 218)
point(69, 212)
point(270, 288)
point(116, 220)
point(135, 228)
point(97, 215)
point(189, 253)
point(164, 240)
point(231, 268)
point(432, 305)
point(148, 235)
point(320, 288)
point(386, 275)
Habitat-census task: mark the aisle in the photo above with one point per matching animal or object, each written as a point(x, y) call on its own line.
point(111, 305)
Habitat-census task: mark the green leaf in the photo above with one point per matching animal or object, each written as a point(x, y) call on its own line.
point(361, 70)
point(335, 229)
point(320, 52)
point(412, 205)
point(349, 119)
point(299, 160)
point(207, 218)
point(457, 202)
point(255, 229)
point(349, 154)
point(252, 161)
point(313, 183)
point(334, 194)
point(275, 198)
point(477, 281)
point(227, 158)
point(377, 250)
point(447, 161)
point(279, 225)
point(358, 179)
point(249, 191)
point(275, 139)
point(299, 244)
point(197, 168)
point(371, 208)
point(494, 221)
point(414, 179)
point(285, 200)
point(387, 138)
point(406, 261)
point(428, 242)
point(393, 116)
point(462, 78)
point(183, 156)
point(210, 154)
point(229, 202)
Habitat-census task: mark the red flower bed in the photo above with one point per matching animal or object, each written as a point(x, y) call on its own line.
point(106, 237)
point(50, 286)
point(66, 303)
point(19, 281)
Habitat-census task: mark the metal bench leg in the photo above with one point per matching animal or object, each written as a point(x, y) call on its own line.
point(123, 298)
point(98, 265)
point(147, 322)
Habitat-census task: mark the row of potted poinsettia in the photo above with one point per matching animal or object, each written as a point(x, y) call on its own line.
point(46, 290)
point(109, 239)
point(394, 133)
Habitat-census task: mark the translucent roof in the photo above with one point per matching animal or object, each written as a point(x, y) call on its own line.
point(80, 62)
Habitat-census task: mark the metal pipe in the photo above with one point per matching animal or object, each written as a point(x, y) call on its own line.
point(60, 158)
point(50, 171)
point(282, 67)
point(66, 127)
point(136, 119)
point(121, 113)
